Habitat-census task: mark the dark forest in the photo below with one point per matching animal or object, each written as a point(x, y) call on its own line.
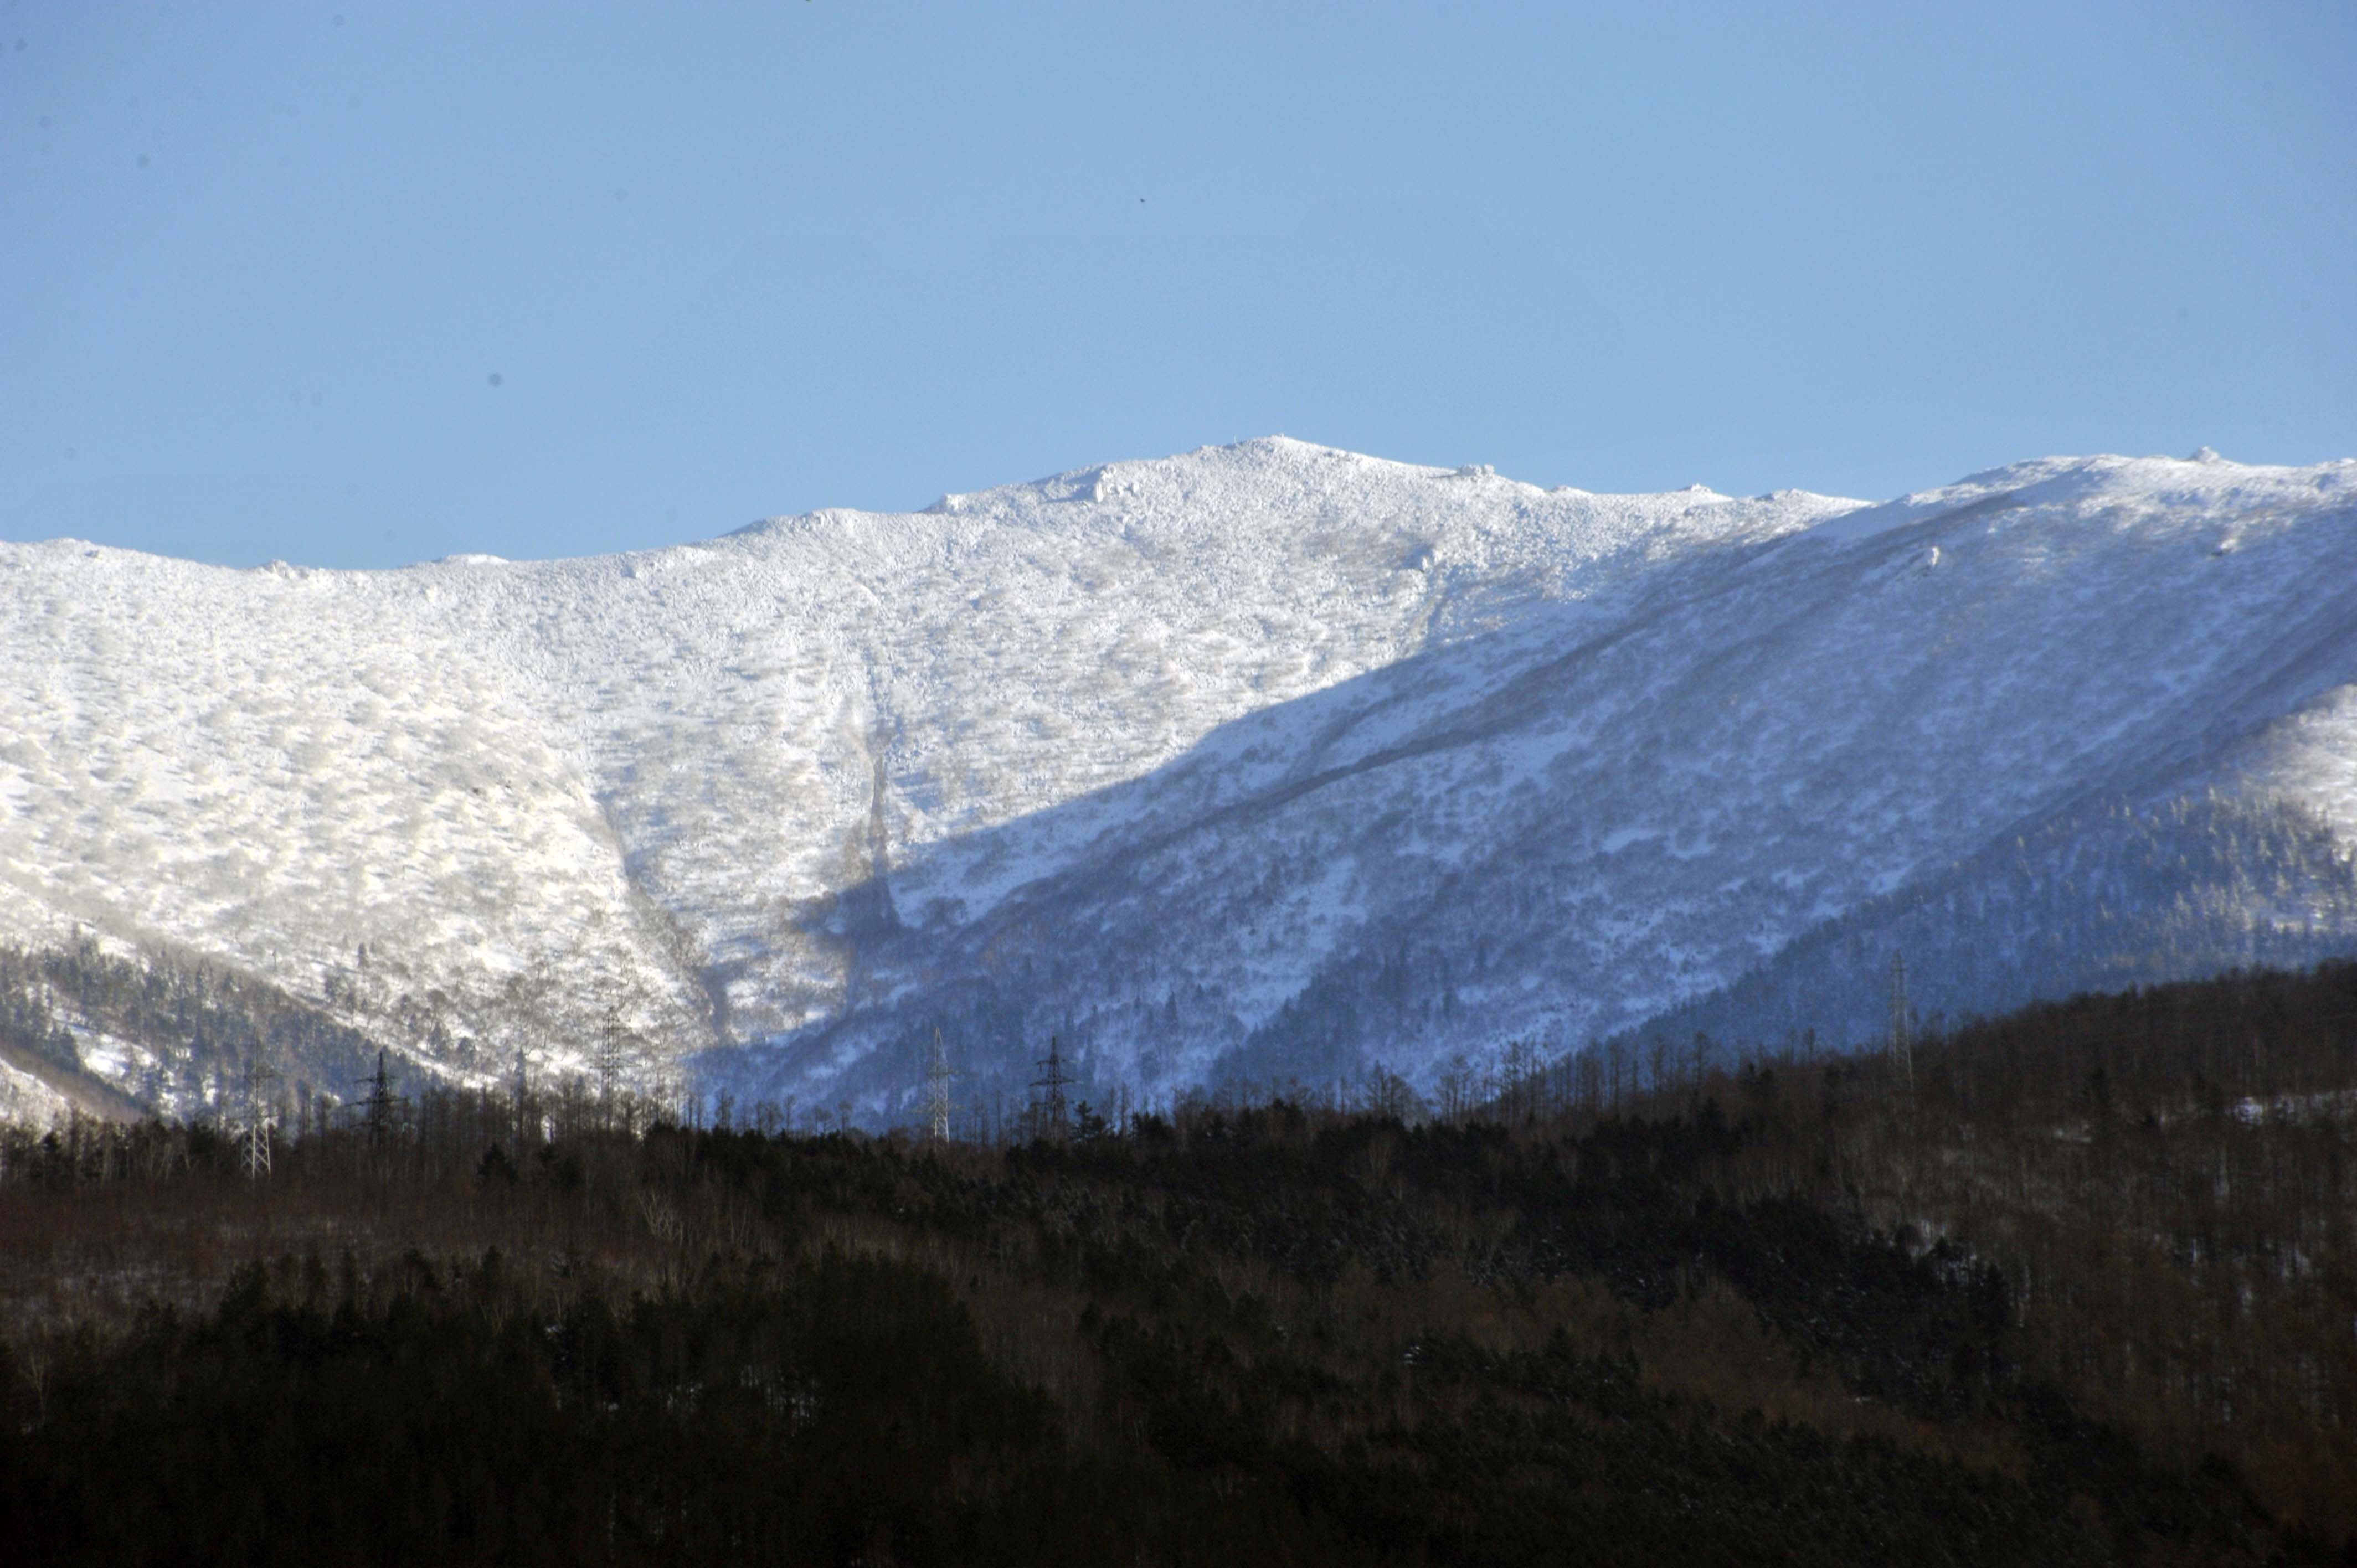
point(2073, 1286)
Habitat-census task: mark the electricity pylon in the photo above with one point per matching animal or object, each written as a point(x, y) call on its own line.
point(1053, 1123)
point(937, 1092)
point(260, 1121)
point(379, 1104)
point(1902, 1045)
point(523, 1092)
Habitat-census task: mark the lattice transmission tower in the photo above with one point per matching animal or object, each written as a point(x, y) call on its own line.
point(378, 1111)
point(260, 1122)
point(1053, 1120)
point(521, 1092)
point(1902, 1043)
point(937, 1092)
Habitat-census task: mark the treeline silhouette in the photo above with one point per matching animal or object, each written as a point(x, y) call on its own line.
point(2074, 1286)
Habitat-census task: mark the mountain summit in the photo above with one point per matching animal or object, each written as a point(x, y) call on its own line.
point(1266, 761)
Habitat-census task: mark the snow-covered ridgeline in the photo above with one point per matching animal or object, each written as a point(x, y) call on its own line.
point(1268, 755)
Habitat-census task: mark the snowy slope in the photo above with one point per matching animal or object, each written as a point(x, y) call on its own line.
point(1264, 759)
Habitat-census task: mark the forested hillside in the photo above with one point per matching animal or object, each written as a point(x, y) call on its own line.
point(2108, 896)
point(189, 1036)
point(2069, 1286)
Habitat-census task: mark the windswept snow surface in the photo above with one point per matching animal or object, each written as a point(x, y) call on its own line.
point(1265, 759)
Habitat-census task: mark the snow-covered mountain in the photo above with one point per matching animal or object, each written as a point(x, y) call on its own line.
point(1265, 760)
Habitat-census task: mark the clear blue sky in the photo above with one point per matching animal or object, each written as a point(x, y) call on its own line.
point(260, 264)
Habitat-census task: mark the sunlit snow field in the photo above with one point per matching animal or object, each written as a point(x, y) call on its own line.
point(1146, 754)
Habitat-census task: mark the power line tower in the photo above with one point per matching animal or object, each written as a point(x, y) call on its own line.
point(522, 1097)
point(1902, 1045)
point(261, 1120)
point(1053, 1121)
point(378, 1107)
point(606, 1061)
point(937, 1092)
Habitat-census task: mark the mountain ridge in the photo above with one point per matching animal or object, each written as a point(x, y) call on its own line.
point(770, 808)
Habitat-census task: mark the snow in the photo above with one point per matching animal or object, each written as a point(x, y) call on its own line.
point(1224, 727)
point(2204, 482)
point(26, 1101)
